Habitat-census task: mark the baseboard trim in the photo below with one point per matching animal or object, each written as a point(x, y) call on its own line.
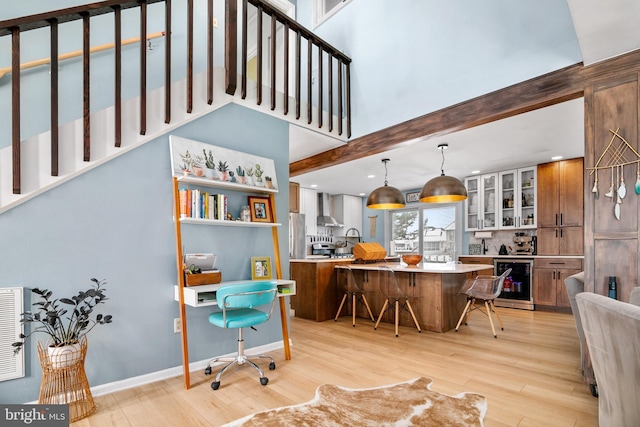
point(164, 374)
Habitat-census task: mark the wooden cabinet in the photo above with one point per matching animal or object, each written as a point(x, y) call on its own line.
point(518, 199)
point(477, 260)
point(561, 208)
point(561, 193)
point(294, 197)
point(347, 210)
point(548, 280)
point(309, 207)
point(560, 241)
point(481, 205)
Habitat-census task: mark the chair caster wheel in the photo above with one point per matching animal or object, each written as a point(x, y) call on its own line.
point(207, 370)
point(272, 366)
point(215, 385)
point(263, 380)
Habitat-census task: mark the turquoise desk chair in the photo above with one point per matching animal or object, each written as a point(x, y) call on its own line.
point(237, 302)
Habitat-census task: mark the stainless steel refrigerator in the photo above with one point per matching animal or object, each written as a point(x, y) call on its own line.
point(297, 236)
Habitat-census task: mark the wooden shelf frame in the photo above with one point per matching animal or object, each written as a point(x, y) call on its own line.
point(182, 288)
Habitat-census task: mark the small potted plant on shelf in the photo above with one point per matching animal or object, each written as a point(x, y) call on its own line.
point(187, 160)
point(196, 165)
point(66, 321)
point(241, 177)
point(210, 165)
point(223, 168)
point(250, 172)
point(259, 173)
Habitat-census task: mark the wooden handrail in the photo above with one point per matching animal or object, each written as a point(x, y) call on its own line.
point(76, 53)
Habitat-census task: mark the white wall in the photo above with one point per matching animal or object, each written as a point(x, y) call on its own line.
point(413, 57)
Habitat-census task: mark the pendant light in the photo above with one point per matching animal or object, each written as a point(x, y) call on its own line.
point(385, 197)
point(443, 189)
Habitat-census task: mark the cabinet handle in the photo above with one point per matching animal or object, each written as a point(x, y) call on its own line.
point(556, 220)
point(554, 275)
point(556, 233)
point(561, 233)
point(560, 219)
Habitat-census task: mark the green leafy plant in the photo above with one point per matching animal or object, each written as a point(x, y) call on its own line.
point(240, 171)
point(223, 166)
point(208, 160)
point(259, 173)
point(249, 171)
point(50, 315)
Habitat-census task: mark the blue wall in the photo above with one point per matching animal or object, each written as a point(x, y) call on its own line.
point(115, 223)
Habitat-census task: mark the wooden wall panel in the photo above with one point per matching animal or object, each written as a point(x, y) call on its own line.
point(612, 246)
point(618, 258)
point(615, 107)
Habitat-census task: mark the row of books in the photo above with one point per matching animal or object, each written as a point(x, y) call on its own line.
point(201, 204)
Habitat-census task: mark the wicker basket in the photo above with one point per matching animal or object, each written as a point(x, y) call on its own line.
point(369, 251)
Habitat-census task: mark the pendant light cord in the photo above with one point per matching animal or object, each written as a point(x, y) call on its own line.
point(385, 171)
point(442, 165)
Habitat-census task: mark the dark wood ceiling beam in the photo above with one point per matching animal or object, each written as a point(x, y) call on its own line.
point(549, 89)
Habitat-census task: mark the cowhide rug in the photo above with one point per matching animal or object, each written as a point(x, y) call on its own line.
point(410, 403)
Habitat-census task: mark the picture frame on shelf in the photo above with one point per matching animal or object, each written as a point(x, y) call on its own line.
point(260, 208)
point(261, 268)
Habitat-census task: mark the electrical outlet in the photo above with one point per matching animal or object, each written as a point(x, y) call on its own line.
point(215, 23)
point(177, 325)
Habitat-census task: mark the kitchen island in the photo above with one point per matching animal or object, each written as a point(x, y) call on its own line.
point(318, 294)
point(434, 288)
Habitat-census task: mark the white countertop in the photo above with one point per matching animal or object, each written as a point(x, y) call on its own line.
point(427, 267)
point(523, 256)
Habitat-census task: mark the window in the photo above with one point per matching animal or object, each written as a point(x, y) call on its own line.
point(323, 9)
point(430, 231)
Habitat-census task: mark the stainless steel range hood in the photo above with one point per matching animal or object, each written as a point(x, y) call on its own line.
point(324, 218)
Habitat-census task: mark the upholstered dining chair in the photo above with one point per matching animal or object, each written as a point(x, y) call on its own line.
point(355, 292)
point(574, 285)
point(395, 298)
point(238, 303)
point(481, 291)
point(611, 331)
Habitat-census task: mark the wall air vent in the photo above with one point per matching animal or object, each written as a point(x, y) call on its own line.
point(11, 306)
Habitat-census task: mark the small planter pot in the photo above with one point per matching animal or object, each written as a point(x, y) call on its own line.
point(210, 173)
point(64, 356)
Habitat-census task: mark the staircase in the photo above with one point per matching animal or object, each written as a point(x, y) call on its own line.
point(190, 94)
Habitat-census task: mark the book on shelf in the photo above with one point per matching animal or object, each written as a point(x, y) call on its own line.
point(201, 204)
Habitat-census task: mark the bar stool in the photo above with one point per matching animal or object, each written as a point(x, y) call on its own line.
point(482, 290)
point(356, 292)
point(396, 299)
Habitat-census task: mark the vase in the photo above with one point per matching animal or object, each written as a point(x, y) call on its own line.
point(64, 356)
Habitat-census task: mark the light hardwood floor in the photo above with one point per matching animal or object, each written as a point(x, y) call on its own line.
point(530, 374)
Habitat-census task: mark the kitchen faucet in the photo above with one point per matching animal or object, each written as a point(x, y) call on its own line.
point(484, 247)
point(346, 234)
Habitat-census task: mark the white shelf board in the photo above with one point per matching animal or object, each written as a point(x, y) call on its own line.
point(227, 223)
point(205, 182)
point(191, 293)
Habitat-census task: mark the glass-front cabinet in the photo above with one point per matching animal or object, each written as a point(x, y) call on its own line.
point(518, 198)
point(481, 206)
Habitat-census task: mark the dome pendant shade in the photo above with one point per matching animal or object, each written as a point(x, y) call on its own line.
point(443, 189)
point(385, 198)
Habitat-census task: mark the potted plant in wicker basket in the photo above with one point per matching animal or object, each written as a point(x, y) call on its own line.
point(66, 321)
